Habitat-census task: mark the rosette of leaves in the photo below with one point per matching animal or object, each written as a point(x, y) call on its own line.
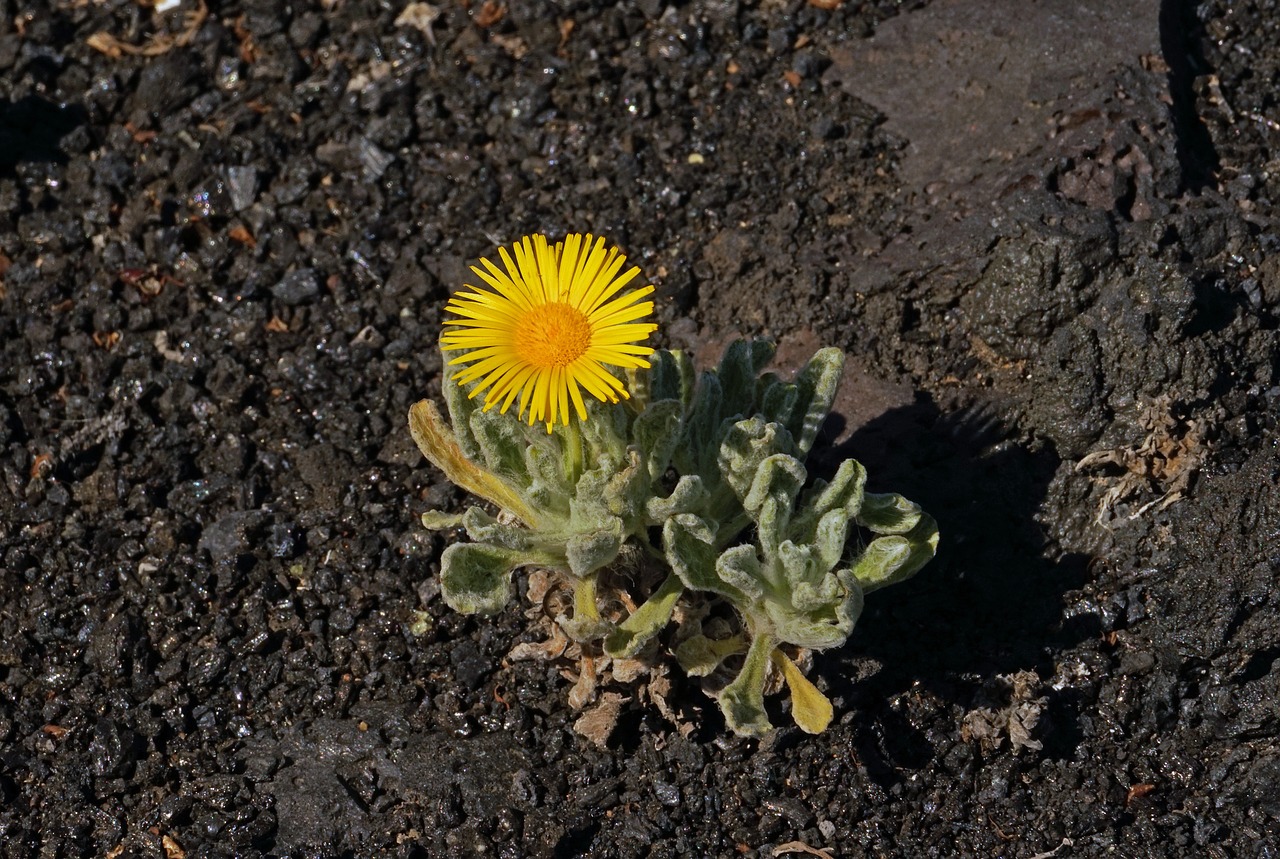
point(567, 501)
point(793, 584)
point(712, 487)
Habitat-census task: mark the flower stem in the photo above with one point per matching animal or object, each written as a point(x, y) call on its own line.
point(573, 458)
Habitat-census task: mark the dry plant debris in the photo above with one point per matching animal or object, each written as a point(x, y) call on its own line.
point(1165, 463)
point(161, 43)
point(1016, 720)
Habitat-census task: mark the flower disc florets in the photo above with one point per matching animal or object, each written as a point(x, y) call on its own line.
point(549, 326)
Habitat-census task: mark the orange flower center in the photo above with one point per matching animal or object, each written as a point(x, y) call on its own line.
point(552, 335)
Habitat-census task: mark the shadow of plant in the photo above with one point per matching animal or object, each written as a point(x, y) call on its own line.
point(990, 602)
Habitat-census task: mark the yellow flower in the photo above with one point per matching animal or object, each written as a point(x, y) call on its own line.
point(548, 327)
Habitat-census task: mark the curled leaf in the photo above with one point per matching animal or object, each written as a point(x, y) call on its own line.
point(897, 557)
point(438, 444)
point(889, 513)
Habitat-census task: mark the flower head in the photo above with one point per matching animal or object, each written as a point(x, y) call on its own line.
point(549, 326)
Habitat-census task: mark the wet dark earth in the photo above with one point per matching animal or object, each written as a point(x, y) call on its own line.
point(1044, 232)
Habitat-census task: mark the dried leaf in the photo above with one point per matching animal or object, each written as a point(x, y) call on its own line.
point(515, 46)
point(1017, 719)
point(597, 724)
point(542, 651)
point(659, 691)
point(584, 688)
point(438, 444)
point(540, 582)
point(1137, 792)
point(248, 49)
point(172, 849)
point(629, 670)
point(105, 43)
point(810, 708)
point(420, 16)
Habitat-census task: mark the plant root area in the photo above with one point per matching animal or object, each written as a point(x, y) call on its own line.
point(1046, 235)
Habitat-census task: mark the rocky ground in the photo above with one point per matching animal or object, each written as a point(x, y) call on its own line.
point(1044, 232)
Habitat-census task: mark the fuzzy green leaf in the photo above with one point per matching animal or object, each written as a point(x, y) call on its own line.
point(502, 440)
point(604, 432)
point(740, 569)
point(829, 540)
point(802, 630)
point(888, 514)
point(687, 497)
point(699, 655)
point(475, 578)
point(645, 622)
point(689, 544)
point(656, 432)
point(798, 567)
point(460, 407)
point(816, 384)
point(897, 557)
point(745, 446)
point(742, 701)
point(588, 552)
point(626, 492)
point(771, 500)
point(741, 363)
point(695, 452)
point(778, 399)
point(549, 487)
point(483, 528)
point(844, 492)
point(778, 477)
point(662, 381)
point(587, 506)
point(831, 608)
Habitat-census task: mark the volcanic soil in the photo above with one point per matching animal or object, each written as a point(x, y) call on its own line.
point(1044, 232)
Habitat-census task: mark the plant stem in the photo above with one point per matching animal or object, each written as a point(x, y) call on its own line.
point(573, 459)
point(584, 600)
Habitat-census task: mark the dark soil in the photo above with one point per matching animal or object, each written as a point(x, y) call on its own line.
point(1045, 232)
